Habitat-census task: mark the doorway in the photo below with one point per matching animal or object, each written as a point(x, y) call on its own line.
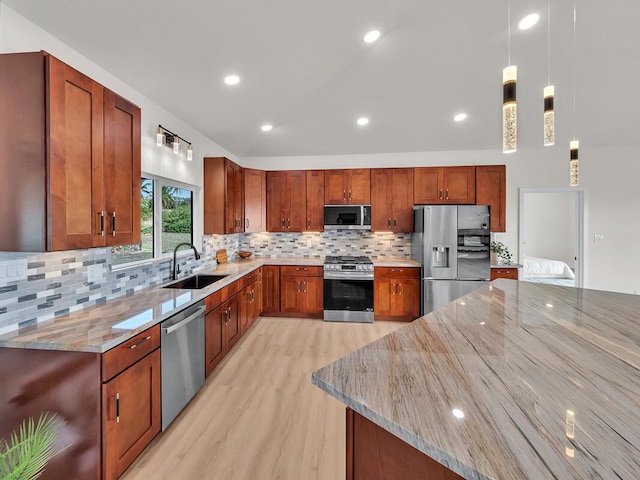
point(552, 235)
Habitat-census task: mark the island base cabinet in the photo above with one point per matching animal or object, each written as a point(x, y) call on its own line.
point(375, 454)
point(64, 383)
point(131, 410)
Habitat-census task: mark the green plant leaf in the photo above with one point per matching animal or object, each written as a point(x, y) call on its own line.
point(29, 449)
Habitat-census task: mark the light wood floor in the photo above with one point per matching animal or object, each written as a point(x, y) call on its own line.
point(258, 417)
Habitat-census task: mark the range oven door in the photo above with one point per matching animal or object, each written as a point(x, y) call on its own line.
point(348, 300)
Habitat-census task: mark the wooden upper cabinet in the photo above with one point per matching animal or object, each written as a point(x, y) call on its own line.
point(76, 181)
point(286, 201)
point(491, 190)
point(315, 201)
point(347, 187)
point(449, 185)
point(223, 196)
point(392, 199)
point(79, 151)
point(121, 169)
point(255, 200)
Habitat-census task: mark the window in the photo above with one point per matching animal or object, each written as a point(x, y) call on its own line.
point(177, 217)
point(175, 222)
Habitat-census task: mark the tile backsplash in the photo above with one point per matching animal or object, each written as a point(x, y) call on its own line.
point(63, 282)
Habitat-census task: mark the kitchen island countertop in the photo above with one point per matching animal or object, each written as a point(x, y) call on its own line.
point(101, 327)
point(547, 379)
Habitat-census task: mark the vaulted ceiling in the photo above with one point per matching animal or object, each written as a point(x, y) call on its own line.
point(305, 69)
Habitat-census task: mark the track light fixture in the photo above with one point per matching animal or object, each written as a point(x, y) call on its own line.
point(172, 140)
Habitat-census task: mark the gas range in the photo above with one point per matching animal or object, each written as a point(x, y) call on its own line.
point(348, 289)
point(346, 266)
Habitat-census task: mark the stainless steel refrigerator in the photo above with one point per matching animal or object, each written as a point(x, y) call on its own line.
point(452, 244)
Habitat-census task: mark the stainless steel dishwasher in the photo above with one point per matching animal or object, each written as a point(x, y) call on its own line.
point(182, 357)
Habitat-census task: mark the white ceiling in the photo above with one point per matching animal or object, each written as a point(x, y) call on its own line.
point(305, 69)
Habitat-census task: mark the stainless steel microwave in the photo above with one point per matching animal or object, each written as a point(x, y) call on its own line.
point(348, 217)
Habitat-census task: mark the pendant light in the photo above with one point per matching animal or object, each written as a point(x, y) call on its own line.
point(573, 163)
point(509, 106)
point(574, 170)
point(548, 91)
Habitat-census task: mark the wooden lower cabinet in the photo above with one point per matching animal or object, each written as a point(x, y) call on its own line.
point(396, 293)
point(270, 289)
point(248, 307)
point(301, 290)
point(131, 414)
point(222, 331)
point(375, 454)
point(504, 272)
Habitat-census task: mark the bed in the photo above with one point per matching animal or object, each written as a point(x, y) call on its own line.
point(544, 270)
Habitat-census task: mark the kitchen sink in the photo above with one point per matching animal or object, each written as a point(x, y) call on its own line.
point(196, 282)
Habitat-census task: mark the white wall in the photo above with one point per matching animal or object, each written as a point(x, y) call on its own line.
point(610, 176)
point(17, 34)
point(549, 226)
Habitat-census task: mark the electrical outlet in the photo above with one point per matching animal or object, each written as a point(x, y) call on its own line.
point(13, 270)
point(94, 273)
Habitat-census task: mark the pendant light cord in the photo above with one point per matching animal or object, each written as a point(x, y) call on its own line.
point(509, 32)
point(549, 42)
point(574, 69)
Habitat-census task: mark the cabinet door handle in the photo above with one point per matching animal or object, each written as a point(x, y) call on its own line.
point(113, 224)
point(246, 223)
point(308, 223)
point(101, 215)
point(282, 222)
point(288, 223)
point(139, 342)
point(117, 407)
point(349, 194)
point(391, 288)
point(388, 223)
point(399, 288)
point(447, 194)
point(395, 223)
point(305, 286)
point(344, 195)
point(440, 194)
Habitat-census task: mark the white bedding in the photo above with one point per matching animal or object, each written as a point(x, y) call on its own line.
point(544, 268)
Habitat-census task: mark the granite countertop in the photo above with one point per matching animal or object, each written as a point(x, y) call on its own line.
point(506, 265)
point(547, 377)
point(101, 327)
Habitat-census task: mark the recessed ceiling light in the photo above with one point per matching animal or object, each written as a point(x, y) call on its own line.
point(362, 121)
point(371, 36)
point(266, 127)
point(231, 79)
point(460, 117)
point(528, 21)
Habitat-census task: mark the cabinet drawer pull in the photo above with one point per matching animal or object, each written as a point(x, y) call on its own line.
point(302, 269)
point(139, 342)
point(117, 408)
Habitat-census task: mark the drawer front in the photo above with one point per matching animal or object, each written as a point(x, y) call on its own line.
point(396, 272)
point(126, 354)
point(300, 271)
point(248, 279)
point(510, 273)
point(213, 300)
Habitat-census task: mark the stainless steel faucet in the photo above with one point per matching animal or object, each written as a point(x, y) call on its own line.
point(176, 267)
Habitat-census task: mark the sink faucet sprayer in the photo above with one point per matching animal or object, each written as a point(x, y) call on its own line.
point(176, 267)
